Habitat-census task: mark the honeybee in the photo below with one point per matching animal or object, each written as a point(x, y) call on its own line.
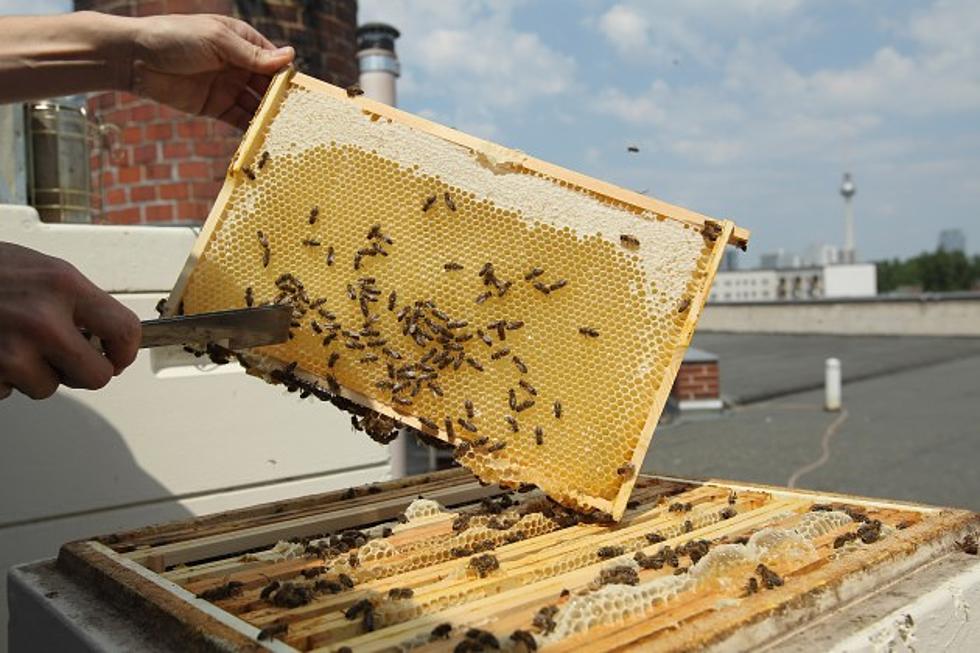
point(311, 242)
point(314, 325)
point(330, 255)
point(248, 173)
point(502, 288)
point(588, 331)
point(404, 401)
point(484, 337)
point(751, 586)
point(483, 297)
point(500, 353)
point(391, 353)
point(514, 325)
point(273, 630)
point(384, 384)
point(369, 358)
point(538, 435)
point(434, 388)
point(457, 324)
point(428, 423)
point(732, 497)
point(354, 90)
point(512, 423)
point(440, 632)
point(683, 305)
point(486, 270)
point(314, 214)
point(353, 344)
point(626, 471)
point(557, 409)
point(497, 446)
point(558, 285)
point(632, 149)
point(531, 390)
point(629, 241)
point(249, 298)
point(536, 272)
point(470, 411)
point(449, 201)
point(466, 424)
point(329, 338)
point(378, 342)
point(711, 230)
point(475, 364)
point(266, 249)
point(429, 201)
point(520, 365)
point(512, 399)
point(542, 287)
point(450, 429)
point(263, 159)
point(524, 405)
point(452, 266)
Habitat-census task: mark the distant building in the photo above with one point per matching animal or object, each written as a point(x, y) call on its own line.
point(729, 260)
point(779, 259)
point(952, 240)
point(821, 254)
point(795, 284)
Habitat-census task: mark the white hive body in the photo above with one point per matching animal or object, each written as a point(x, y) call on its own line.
point(383, 226)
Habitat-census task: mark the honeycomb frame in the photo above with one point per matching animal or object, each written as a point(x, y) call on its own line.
point(685, 269)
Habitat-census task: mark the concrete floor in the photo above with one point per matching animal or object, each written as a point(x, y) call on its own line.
point(912, 434)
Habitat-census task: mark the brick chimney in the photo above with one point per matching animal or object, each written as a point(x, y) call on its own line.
point(160, 166)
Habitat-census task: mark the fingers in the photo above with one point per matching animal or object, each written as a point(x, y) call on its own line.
point(247, 101)
point(237, 117)
point(259, 83)
point(247, 32)
point(115, 325)
point(30, 374)
point(79, 363)
point(5, 391)
point(238, 51)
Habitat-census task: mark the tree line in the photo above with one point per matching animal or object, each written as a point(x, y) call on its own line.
point(938, 271)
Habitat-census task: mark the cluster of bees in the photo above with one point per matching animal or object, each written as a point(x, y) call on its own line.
point(770, 580)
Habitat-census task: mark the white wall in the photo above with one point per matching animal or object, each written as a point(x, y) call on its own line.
point(171, 437)
point(857, 280)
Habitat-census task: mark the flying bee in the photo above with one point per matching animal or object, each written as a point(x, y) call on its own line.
point(512, 423)
point(483, 297)
point(427, 204)
point(541, 287)
point(314, 214)
point(683, 305)
point(588, 331)
point(249, 297)
point(470, 411)
point(531, 390)
point(449, 201)
point(475, 364)
point(524, 405)
point(263, 159)
point(248, 173)
point(536, 272)
point(466, 424)
point(497, 446)
point(558, 285)
point(557, 409)
point(519, 364)
point(354, 90)
point(311, 242)
point(626, 471)
point(514, 325)
point(538, 435)
point(500, 353)
point(330, 255)
point(629, 241)
point(452, 266)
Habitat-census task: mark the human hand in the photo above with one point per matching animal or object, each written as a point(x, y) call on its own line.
point(44, 302)
point(204, 64)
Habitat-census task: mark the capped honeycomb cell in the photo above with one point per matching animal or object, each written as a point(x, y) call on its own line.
point(532, 316)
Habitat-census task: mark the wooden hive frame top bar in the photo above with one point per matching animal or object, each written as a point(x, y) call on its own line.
point(341, 206)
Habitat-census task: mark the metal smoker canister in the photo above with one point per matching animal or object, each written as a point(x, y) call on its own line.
point(59, 183)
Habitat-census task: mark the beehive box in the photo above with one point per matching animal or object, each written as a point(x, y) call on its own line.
point(441, 562)
point(532, 316)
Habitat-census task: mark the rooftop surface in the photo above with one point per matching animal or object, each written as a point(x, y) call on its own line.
point(911, 430)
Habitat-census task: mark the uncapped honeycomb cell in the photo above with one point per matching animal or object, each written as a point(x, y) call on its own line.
point(443, 284)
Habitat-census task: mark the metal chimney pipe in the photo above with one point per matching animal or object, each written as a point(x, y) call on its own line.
point(377, 61)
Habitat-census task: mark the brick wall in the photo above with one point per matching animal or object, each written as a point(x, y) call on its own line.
point(161, 166)
point(696, 381)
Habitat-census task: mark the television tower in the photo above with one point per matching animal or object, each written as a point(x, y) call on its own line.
point(847, 190)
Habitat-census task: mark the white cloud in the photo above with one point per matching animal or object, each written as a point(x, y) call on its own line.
point(14, 7)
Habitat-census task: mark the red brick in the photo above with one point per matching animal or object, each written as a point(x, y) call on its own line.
point(108, 178)
point(158, 212)
point(123, 216)
point(176, 150)
point(150, 7)
point(132, 135)
point(106, 100)
point(144, 112)
point(115, 197)
point(192, 211)
point(144, 153)
point(130, 174)
point(118, 117)
point(205, 190)
point(159, 171)
point(192, 129)
point(170, 114)
point(161, 131)
point(142, 193)
point(199, 7)
point(192, 170)
point(175, 191)
point(211, 148)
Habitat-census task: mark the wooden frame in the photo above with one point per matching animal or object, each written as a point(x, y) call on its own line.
point(153, 573)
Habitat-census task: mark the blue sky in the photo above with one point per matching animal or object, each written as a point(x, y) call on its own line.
point(744, 109)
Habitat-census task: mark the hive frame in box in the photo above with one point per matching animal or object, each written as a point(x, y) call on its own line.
point(129, 567)
point(727, 233)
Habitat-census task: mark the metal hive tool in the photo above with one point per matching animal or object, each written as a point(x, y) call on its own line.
point(530, 315)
